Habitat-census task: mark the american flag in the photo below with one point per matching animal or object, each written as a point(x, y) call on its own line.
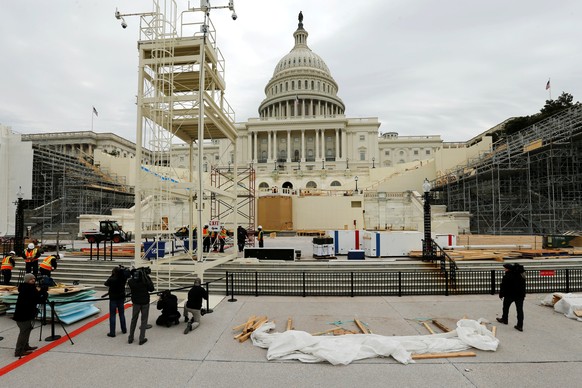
point(548, 85)
point(95, 112)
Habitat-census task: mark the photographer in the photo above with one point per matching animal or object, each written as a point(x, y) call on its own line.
point(116, 284)
point(140, 285)
point(194, 305)
point(25, 312)
point(168, 303)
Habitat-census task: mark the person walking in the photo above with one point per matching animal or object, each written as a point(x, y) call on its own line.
point(8, 265)
point(140, 285)
point(30, 256)
point(260, 236)
point(194, 305)
point(25, 312)
point(116, 283)
point(49, 264)
point(241, 237)
point(512, 290)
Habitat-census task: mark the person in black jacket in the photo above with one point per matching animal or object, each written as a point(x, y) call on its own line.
point(194, 306)
point(25, 313)
point(512, 290)
point(116, 283)
point(241, 237)
point(168, 303)
point(140, 285)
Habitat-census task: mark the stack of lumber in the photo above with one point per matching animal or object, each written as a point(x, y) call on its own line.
point(247, 328)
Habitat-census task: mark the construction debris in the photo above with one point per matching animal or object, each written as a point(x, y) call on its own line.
point(442, 355)
point(252, 324)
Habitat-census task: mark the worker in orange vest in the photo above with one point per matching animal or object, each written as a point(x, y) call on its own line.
point(30, 256)
point(7, 267)
point(222, 238)
point(49, 264)
point(205, 239)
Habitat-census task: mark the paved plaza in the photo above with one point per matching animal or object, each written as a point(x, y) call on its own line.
point(546, 354)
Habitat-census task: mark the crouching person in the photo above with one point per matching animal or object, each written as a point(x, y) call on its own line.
point(168, 303)
point(194, 306)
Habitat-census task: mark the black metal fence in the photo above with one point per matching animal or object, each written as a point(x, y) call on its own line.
point(389, 283)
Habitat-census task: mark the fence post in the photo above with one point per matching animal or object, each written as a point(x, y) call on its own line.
point(226, 290)
point(352, 279)
point(447, 283)
point(232, 299)
point(399, 283)
point(304, 284)
point(492, 282)
point(567, 280)
point(256, 283)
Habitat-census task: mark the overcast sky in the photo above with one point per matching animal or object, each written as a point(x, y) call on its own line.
point(453, 68)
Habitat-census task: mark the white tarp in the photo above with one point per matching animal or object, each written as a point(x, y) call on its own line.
point(567, 304)
point(343, 349)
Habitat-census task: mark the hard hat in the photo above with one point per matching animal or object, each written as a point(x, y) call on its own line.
point(12, 253)
point(31, 246)
point(260, 227)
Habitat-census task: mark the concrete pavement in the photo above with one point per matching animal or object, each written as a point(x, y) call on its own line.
point(548, 352)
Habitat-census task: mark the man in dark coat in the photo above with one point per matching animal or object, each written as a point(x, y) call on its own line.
point(194, 305)
point(512, 290)
point(140, 285)
point(25, 313)
point(116, 283)
point(168, 303)
point(241, 236)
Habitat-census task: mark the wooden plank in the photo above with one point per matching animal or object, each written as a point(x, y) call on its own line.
point(578, 313)
point(258, 324)
point(242, 325)
point(494, 330)
point(442, 355)
point(431, 331)
point(361, 326)
point(289, 324)
point(440, 326)
point(325, 332)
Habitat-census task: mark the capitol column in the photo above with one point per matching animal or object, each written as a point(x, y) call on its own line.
point(303, 145)
point(317, 145)
point(288, 145)
point(275, 148)
point(344, 133)
point(269, 157)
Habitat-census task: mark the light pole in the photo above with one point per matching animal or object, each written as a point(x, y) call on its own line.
point(427, 248)
point(373, 161)
point(323, 163)
point(19, 224)
point(347, 163)
point(356, 179)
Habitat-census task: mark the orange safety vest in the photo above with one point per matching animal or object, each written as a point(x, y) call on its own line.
point(205, 232)
point(46, 263)
point(223, 234)
point(30, 255)
point(6, 263)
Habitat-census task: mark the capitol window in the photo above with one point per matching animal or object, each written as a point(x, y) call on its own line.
point(362, 137)
point(428, 152)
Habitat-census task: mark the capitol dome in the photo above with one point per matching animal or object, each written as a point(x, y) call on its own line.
point(302, 85)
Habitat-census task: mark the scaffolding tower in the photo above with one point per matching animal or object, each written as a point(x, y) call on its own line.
point(180, 99)
point(530, 182)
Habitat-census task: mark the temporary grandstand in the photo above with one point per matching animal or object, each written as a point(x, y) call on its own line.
point(530, 182)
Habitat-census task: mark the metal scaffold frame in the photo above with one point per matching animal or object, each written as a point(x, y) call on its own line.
point(530, 183)
point(180, 100)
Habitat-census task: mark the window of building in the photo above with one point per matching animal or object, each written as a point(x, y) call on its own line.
point(263, 185)
point(264, 141)
point(362, 137)
point(401, 153)
point(311, 185)
point(310, 139)
point(356, 203)
point(387, 153)
point(428, 152)
point(292, 85)
point(335, 184)
point(415, 152)
point(362, 155)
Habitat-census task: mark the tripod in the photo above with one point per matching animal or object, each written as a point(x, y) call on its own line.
point(54, 314)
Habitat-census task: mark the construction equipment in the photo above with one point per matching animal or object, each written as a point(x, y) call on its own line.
point(108, 231)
